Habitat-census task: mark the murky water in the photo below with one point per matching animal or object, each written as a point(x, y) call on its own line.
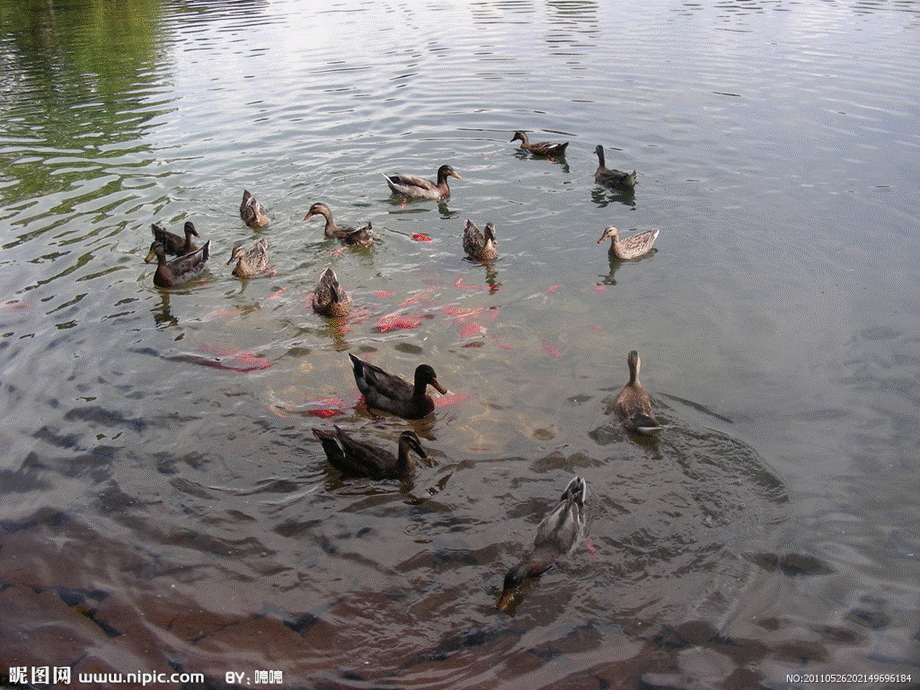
point(166, 507)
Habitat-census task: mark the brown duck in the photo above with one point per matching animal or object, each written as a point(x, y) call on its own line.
point(611, 177)
point(480, 244)
point(252, 213)
point(633, 405)
point(345, 235)
point(253, 262)
point(542, 148)
point(330, 298)
point(172, 243)
point(392, 393)
point(632, 247)
point(557, 535)
point(179, 271)
point(362, 459)
point(414, 187)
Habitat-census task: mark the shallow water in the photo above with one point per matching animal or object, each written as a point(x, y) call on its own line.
point(166, 506)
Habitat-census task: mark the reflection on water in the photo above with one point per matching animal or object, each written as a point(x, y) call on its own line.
point(166, 505)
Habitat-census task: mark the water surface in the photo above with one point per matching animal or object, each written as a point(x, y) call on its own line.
point(166, 505)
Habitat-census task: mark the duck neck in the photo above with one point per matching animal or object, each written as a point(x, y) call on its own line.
point(331, 227)
point(633, 374)
point(600, 156)
point(418, 390)
point(403, 459)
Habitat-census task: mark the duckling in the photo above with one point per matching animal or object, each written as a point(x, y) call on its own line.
point(252, 213)
point(633, 247)
point(610, 177)
point(360, 459)
point(345, 235)
point(329, 298)
point(557, 536)
point(392, 393)
point(181, 270)
point(253, 262)
point(480, 245)
point(413, 187)
point(633, 405)
point(543, 148)
point(172, 243)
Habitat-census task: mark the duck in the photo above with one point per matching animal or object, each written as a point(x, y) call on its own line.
point(557, 535)
point(633, 247)
point(178, 271)
point(172, 243)
point(362, 459)
point(347, 236)
point(413, 187)
point(480, 244)
point(392, 393)
point(252, 213)
point(329, 298)
point(253, 262)
point(543, 148)
point(633, 405)
point(610, 177)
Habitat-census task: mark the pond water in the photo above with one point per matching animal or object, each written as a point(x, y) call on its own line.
point(166, 507)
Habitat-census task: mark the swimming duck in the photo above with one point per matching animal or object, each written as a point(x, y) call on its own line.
point(633, 405)
point(610, 177)
point(252, 213)
point(361, 459)
point(632, 247)
point(480, 245)
point(393, 394)
point(253, 262)
point(172, 243)
point(413, 187)
point(347, 236)
point(543, 148)
point(329, 298)
point(556, 537)
point(181, 270)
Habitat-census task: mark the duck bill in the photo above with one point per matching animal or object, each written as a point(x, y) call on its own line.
point(438, 387)
point(151, 257)
point(457, 175)
point(504, 599)
point(309, 216)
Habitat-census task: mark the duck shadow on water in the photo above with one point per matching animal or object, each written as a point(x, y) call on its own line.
point(616, 264)
point(604, 196)
point(402, 205)
point(557, 159)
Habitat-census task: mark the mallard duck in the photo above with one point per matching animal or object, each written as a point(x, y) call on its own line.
point(172, 243)
point(361, 459)
point(632, 247)
point(347, 236)
point(557, 536)
point(253, 262)
point(329, 298)
point(181, 270)
point(252, 213)
point(610, 177)
point(480, 245)
point(633, 405)
point(414, 187)
point(543, 148)
point(393, 394)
